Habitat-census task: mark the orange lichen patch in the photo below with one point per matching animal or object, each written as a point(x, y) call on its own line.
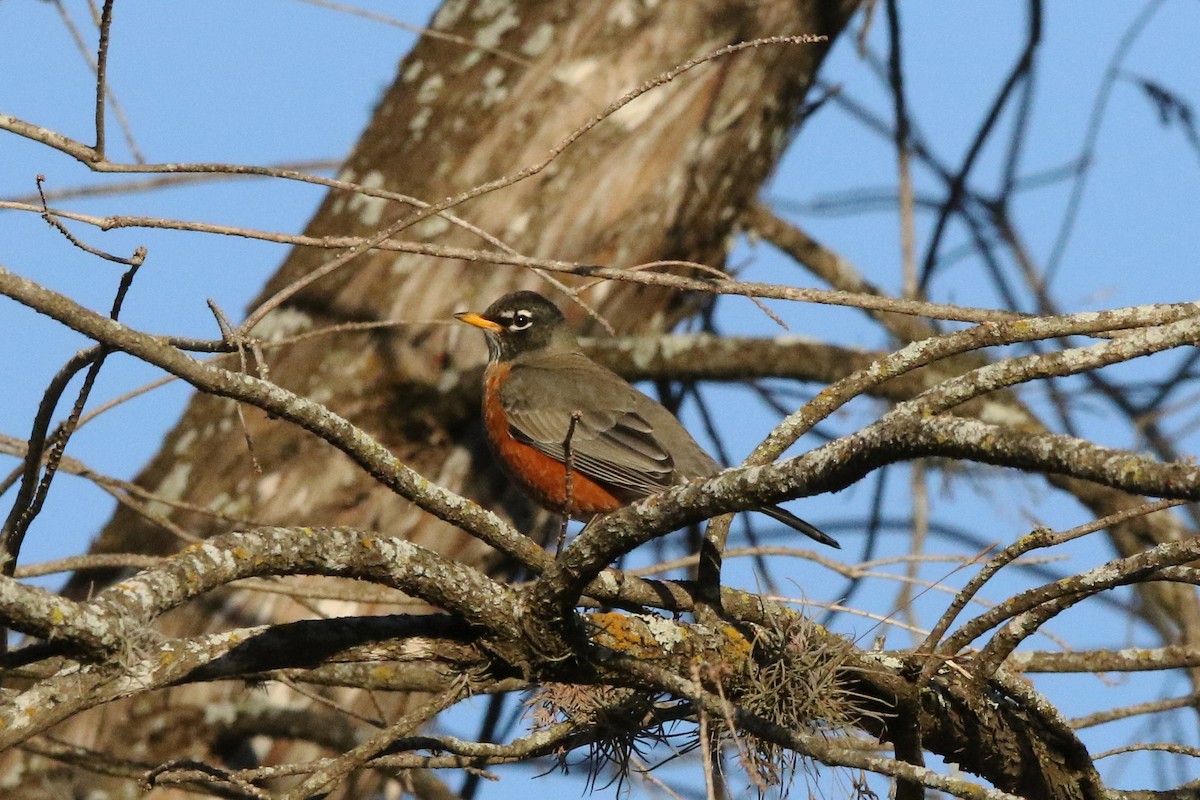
point(739, 647)
point(675, 644)
point(620, 633)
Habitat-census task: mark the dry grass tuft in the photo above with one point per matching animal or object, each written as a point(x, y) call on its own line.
point(797, 685)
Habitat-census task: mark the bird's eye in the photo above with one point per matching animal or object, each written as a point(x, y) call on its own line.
point(520, 321)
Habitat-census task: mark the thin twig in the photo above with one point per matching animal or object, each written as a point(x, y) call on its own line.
point(323, 778)
point(1112, 72)
point(102, 73)
point(568, 480)
point(93, 358)
point(24, 506)
point(207, 774)
point(166, 181)
point(468, 45)
point(135, 260)
point(1042, 538)
point(862, 300)
point(236, 340)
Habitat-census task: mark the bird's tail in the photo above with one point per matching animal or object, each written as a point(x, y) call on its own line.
point(795, 523)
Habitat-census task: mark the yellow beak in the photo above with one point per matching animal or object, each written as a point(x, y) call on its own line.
point(471, 318)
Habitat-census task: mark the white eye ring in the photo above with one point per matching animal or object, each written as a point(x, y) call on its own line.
point(521, 320)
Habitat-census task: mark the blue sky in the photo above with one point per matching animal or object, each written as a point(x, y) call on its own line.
point(281, 80)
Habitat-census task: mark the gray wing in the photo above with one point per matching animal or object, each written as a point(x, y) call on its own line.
point(616, 440)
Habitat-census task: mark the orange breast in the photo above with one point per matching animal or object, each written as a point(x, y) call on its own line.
point(541, 477)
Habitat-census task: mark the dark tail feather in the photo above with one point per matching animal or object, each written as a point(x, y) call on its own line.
point(794, 522)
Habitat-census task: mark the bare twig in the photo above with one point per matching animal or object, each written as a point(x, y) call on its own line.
point(30, 499)
point(1038, 539)
point(325, 777)
point(102, 73)
point(231, 336)
point(431, 33)
point(136, 260)
point(870, 302)
point(568, 480)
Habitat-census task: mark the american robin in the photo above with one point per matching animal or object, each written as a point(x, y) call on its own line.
point(543, 398)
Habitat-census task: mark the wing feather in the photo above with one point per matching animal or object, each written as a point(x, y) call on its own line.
point(612, 444)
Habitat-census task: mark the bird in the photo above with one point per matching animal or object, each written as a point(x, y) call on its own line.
point(545, 402)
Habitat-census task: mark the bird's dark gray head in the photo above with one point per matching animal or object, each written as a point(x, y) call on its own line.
point(520, 322)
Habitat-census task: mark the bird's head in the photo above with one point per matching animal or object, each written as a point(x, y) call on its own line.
point(520, 323)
